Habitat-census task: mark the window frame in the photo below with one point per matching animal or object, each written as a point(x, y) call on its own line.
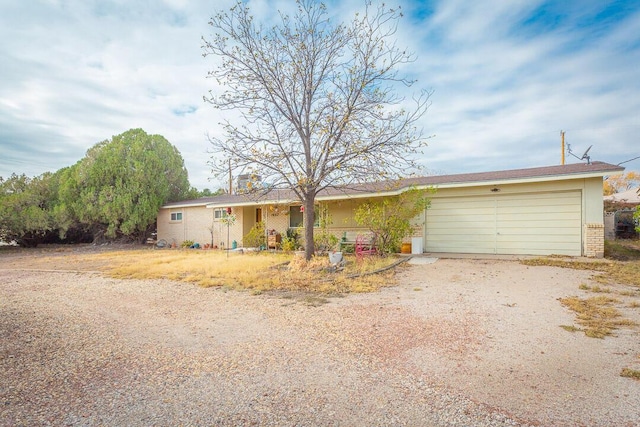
point(175, 216)
point(219, 214)
point(295, 209)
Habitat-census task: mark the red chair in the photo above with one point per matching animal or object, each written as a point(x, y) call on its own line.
point(364, 247)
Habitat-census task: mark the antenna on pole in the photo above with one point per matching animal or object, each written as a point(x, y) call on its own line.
point(585, 155)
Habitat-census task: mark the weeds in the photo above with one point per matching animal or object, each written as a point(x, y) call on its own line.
point(622, 250)
point(596, 314)
point(314, 301)
point(571, 328)
point(630, 373)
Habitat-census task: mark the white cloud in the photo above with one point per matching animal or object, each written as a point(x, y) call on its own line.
point(507, 76)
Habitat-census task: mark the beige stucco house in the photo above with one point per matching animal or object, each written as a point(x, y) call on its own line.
point(535, 211)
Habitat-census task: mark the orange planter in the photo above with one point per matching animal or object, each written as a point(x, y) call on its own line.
point(406, 248)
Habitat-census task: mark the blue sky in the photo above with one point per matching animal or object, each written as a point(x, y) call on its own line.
point(507, 77)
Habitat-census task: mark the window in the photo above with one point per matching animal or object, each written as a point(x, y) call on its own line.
point(176, 216)
point(219, 213)
point(296, 218)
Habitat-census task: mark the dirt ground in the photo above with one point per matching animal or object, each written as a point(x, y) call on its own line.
point(515, 354)
point(455, 342)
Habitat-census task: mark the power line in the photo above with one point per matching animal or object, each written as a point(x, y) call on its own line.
point(627, 161)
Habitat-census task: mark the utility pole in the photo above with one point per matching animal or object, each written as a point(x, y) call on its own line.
point(231, 178)
point(562, 145)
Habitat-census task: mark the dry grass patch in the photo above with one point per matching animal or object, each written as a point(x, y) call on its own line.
point(571, 328)
point(630, 373)
point(626, 273)
point(597, 314)
point(317, 275)
point(622, 250)
point(257, 272)
point(205, 268)
point(596, 289)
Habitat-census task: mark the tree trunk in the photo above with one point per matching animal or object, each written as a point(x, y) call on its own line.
point(309, 219)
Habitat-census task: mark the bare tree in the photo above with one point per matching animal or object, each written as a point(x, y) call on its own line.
point(316, 102)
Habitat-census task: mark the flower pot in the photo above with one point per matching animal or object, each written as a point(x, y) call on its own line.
point(406, 248)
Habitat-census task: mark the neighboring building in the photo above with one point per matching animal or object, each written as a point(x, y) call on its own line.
point(631, 196)
point(619, 222)
point(535, 211)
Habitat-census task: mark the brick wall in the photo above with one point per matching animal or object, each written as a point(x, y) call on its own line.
point(594, 240)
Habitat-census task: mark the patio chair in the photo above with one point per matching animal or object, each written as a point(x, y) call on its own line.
point(364, 247)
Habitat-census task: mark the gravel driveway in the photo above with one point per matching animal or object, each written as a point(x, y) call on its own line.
point(456, 343)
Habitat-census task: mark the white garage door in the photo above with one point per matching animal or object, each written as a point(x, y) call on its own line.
point(520, 224)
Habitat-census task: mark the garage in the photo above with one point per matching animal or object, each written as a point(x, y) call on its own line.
point(520, 224)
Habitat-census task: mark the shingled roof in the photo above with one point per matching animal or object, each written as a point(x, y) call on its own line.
point(484, 178)
point(545, 173)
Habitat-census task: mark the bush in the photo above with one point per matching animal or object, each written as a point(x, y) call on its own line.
point(255, 238)
point(187, 244)
point(390, 219)
point(291, 241)
point(323, 241)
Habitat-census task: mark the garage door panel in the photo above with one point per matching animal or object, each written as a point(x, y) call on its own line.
point(560, 195)
point(536, 210)
point(541, 223)
point(550, 234)
point(453, 219)
point(555, 204)
point(523, 218)
point(451, 226)
point(481, 235)
point(466, 247)
point(448, 214)
point(502, 237)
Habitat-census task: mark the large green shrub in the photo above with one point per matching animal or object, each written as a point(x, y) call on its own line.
point(26, 209)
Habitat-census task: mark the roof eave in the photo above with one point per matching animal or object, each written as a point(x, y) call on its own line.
point(527, 180)
point(399, 190)
point(265, 202)
point(183, 205)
